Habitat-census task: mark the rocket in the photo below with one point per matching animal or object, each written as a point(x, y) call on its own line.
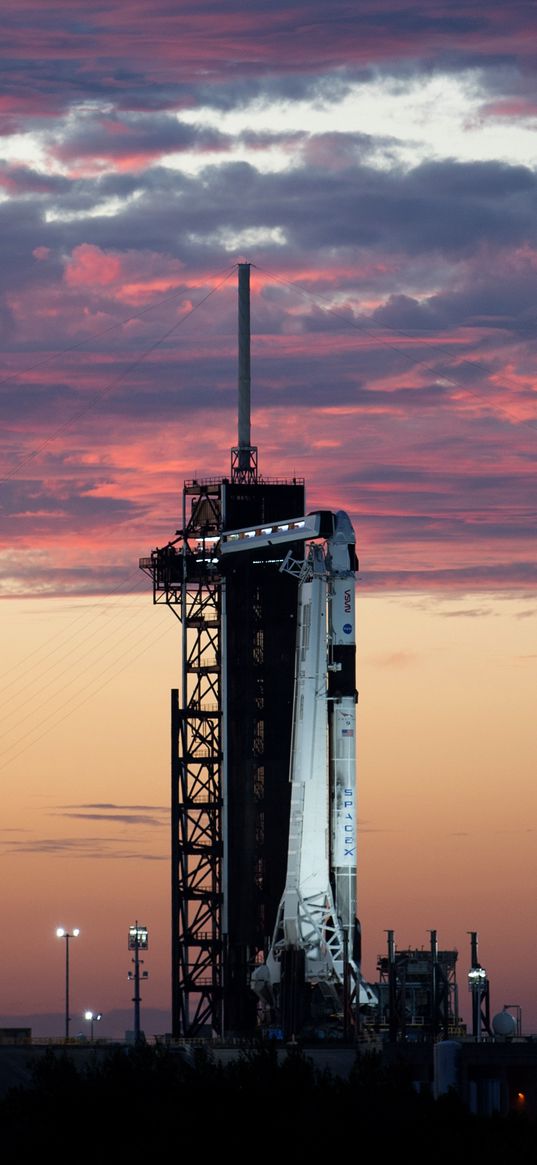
point(317, 913)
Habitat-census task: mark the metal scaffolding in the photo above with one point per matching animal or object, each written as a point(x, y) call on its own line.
point(184, 577)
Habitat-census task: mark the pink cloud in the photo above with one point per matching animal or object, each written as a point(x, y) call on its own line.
point(510, 108)
point(204, 43)
point(90, 267)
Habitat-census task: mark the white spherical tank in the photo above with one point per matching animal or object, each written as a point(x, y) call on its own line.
point(504, 1024)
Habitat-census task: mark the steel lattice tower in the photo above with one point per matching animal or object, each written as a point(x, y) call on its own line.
point(231, 729)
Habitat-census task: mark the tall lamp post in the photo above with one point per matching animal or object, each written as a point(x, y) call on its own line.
point(478, 985)
point(66, 934)
point(138, 941)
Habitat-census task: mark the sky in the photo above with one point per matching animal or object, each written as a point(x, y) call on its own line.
point(376, 163)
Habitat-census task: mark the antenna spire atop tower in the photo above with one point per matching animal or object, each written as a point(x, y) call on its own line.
point(244, 456)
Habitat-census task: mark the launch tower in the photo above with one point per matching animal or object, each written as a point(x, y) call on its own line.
point(230, 729)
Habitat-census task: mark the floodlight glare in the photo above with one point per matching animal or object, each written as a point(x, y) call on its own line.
point(92, 1017)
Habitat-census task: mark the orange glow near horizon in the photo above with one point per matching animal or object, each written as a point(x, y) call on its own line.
point(445, 777)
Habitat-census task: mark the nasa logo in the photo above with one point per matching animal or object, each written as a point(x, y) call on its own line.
point(347, 628)
point(347, 602)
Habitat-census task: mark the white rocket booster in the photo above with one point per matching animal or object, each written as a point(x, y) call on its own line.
point(307, 915)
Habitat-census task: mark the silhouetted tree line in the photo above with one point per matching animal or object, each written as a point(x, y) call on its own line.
point(151, 1100)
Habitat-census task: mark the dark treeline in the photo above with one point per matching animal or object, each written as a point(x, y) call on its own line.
point(153, 1100)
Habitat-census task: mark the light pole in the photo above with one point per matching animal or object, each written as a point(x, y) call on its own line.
point(478, 985)
point(92, 1017)
point(138, 941)
point(62, 933)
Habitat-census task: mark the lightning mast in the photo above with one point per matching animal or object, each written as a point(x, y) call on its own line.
point(244, 455)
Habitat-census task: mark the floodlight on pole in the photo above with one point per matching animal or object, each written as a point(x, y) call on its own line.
point(138, 941)
point(92, 1017)
point(66, 934)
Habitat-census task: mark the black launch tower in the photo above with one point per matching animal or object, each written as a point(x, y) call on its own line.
point(231, 729)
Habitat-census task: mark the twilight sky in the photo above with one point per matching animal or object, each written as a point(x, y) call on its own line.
point(377, 163)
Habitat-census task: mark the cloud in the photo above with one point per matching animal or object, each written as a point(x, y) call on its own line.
point(395, 659)
point(467, 613)
point(153, 815)
point(81, 847)
point(112, 805)
point(124, 818)
point(370, 829)
point(507, 577)
point(392, 366)
point(89, 266)
point(129, 142)
point(100, 52)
